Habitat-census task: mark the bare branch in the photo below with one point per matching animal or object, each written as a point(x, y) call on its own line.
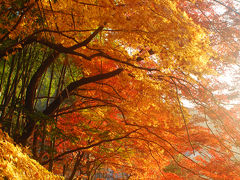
point(90, 146)
point(183, 116)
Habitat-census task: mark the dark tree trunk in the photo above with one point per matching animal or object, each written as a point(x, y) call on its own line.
point(30, 96)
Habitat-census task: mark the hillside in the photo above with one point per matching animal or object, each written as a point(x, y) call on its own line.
point(16, 164)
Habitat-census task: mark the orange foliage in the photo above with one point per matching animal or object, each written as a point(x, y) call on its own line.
point(139, 61)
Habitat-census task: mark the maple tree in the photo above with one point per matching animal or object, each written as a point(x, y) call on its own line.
point(96, 85)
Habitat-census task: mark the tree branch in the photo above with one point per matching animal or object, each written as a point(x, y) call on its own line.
point(89, 146)
point(86, 41)
point(74, 85)
point(18, 22)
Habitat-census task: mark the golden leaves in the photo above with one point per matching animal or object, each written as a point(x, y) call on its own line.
point(14, 164)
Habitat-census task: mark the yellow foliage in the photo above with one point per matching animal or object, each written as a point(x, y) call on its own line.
point(16, 164)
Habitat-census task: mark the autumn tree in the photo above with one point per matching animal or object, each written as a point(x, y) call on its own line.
point(102, 84)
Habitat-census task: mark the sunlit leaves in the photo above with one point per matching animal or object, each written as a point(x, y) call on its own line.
point(16, 164)
point(135, 121)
